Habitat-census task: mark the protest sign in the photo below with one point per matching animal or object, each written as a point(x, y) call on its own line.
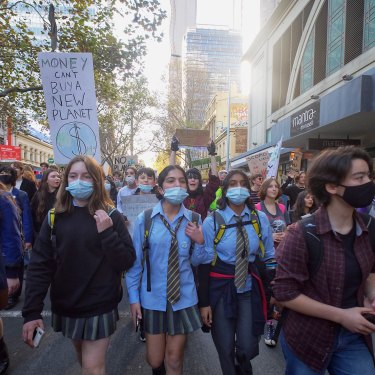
point(133, 205)
point(295, 164)
point(69, 90)
point(121, 163)
point(273, 162)
point(193, 138)
point(258, 162)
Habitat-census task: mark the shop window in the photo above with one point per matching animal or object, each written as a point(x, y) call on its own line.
point(369, 25)
point(335, 35)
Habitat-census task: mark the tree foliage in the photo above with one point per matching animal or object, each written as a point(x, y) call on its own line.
point(124, 122)
point(83, 26)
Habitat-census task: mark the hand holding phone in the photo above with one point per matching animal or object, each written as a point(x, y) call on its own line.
point(38, 334)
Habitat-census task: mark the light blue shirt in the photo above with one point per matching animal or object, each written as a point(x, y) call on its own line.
point(226, 248)
point(160, 243)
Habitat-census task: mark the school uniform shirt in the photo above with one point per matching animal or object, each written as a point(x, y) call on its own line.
point(159, 245)
point(124, 192)
point(226, 248)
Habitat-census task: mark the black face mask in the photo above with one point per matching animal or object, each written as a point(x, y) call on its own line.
point(359, 196)
point(6, 179)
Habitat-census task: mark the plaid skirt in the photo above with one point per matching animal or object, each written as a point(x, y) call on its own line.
point(172, 322)
point(91, 328)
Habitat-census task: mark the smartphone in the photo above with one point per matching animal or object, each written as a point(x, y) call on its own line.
point(38, 334)
point(369, 317)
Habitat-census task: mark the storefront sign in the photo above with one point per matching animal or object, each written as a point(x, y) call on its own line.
point(305, 119)
point(10, 153)
point(321, 144)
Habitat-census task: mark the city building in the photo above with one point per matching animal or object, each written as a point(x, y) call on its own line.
point(211, 57)
point(313, 83)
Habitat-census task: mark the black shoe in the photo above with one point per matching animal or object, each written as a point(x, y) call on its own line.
point(4, 357)
point(158, 371)
point(12, 301)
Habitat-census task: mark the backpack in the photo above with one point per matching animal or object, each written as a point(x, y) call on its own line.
point(51, 223)
point(146, 246)
point(255, 222)
point(315, 246)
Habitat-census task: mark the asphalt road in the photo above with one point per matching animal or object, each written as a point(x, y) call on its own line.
point(126, 354)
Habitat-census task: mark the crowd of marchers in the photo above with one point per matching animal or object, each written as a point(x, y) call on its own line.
point(237, 256)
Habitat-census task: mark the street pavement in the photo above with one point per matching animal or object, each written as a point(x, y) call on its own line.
point(126, 354)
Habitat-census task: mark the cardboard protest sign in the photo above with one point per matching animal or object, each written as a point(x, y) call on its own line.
point(193, 138)
point(69, 90)
point(295, 164)
point(133, 205)
point(258, 162)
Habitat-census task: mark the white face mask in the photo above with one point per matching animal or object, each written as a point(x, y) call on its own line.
point(130, 180)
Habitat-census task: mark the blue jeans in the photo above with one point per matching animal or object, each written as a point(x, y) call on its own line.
point(232, 336)
point(350, 356)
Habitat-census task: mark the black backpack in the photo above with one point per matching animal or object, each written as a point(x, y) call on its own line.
point(315, 246)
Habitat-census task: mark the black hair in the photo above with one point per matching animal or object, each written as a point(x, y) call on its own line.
point(331, 166)
point(12, 172)
point(223, 201)
point(199, 190)
point(164, 173)
point(299, 206)
point(147, 171)
point(133, 168)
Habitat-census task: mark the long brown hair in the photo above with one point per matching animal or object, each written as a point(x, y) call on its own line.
point(42, 194)
point(99, 200)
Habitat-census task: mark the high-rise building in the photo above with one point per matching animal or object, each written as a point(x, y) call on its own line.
point(210, 55)
point(183, 16)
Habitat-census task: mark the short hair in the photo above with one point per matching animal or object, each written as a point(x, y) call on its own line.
point(12, 172)
point(18, 164)
point(99, 200)
point(133, 168)
point(223, 201)
point(298, 176)
point(255, 176)
point(117, 173)
point(331, 166)
point(147, 171)
point(265, 185)
point(43, 163)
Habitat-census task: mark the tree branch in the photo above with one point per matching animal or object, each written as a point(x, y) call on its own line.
point(6, 92)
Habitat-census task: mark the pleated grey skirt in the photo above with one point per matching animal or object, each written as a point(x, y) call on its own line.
point(92, 328)
point(172, 322)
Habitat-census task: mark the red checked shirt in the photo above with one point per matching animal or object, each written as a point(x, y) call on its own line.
point(311, 338)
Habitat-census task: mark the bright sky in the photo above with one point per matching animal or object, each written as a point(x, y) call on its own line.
point(214, 12)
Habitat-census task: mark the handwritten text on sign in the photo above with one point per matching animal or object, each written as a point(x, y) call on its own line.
point(68, 85)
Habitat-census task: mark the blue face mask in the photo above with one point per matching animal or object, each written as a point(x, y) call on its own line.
point(175, 195)
point(80, 189)
point(107, 186)
point(237, 195)
point(145, 188)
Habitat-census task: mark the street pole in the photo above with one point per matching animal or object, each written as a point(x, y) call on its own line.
point(228, 126)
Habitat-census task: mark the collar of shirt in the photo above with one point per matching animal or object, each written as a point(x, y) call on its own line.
point(228, 214)
point(323, 225)
point(158, 209)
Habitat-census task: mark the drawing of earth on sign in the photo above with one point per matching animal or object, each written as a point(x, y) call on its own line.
point(76, 138)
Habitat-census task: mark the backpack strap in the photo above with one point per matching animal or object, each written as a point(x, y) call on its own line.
point(370, 224)
point(146, 246)
point(221, 225)
point(314, 244)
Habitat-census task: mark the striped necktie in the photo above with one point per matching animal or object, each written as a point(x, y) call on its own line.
point(173, 274)
point(242, 252)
